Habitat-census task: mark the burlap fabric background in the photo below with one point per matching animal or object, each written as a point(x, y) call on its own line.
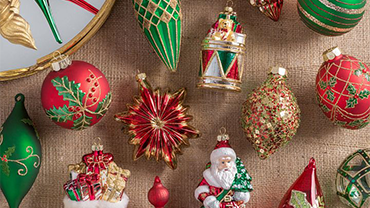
point(119, 50)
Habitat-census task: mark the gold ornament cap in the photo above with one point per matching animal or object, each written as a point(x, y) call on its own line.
point(278, 70)
point(141, 76)
point(331, 53)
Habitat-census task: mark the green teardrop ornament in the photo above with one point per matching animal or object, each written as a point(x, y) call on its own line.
point(20, 152)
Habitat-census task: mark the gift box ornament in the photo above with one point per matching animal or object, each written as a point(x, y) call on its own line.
point(96, 182)
point(72, 190)
point(116, 183)
point(221, 58)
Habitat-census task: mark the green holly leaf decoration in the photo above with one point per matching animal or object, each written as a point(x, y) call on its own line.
point(330, 95)
point(364, 94)
point(358, 72)
point(340, 123)
point(4, 164)
point(367, 76)
point(298, 199)
point(324, 108)
point(69, 90)
point(61, 114)
point(30, 122)
point(82, 122)
point(5, 168)
point(332, 82)
point(362, 66)
point(351, 89)
point(9, 151)
point(323, 85)
point(359, 123)
point(103, 106)
point(351, 102)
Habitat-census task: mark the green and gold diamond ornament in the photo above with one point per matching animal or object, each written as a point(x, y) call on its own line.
point(353, 180)
point(160, 20)
point(20, 152)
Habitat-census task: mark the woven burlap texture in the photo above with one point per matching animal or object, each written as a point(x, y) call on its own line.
point(119, 49)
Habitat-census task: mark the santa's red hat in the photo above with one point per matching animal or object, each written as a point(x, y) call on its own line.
point(222, 149)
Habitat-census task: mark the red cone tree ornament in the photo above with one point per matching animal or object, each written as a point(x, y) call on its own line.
point(158, 195)
point(76, 95)
point(157, 123)
point(271, 8)
point(306, 191)
point(343, 89)
point(271, 114)
point(221, 58)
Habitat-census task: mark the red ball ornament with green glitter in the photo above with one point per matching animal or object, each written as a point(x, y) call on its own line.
point(343, 89)
point(271, 114)
point(76, 95)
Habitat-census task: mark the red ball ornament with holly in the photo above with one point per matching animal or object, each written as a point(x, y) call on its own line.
point(343, 89)
point(75, 95)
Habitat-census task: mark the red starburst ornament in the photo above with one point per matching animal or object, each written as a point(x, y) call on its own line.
point(157, 123)
point(271, 8)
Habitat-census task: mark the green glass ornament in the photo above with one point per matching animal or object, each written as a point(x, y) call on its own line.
point(45, 8)
point(330, 17)
point(20, 152)
point(160, 21)
point(353, 180)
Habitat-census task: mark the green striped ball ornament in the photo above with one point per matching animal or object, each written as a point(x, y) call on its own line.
point(331, 17)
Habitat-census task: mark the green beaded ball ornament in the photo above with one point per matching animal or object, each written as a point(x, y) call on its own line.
point(353, 180)
point(331, 17)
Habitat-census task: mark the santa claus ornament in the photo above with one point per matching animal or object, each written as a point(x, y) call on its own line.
point(343, 89)
point(75, 95)
point(271, 114)
point(226, 182)
point(157, 123)
point(305, 192)
point(96, 182)
point(270, 8)
point(353, 180)
point(221, 58)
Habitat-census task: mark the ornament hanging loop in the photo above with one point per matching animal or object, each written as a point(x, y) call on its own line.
point(222, 130)
point(229, 3)
point(19, 98)
point(60, 61)
point(223, 136)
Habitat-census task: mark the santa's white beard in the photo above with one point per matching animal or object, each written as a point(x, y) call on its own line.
point(224, 177)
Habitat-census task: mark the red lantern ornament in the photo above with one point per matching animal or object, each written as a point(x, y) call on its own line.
point(271, 8)
point(157, 123)
point(158, 195)
point(76, 95)
point(306, 190)
point(343, 89)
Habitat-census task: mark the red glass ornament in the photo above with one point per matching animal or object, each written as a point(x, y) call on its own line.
point(158, 123)
point(85, 5)
point(158, 195)
point(306, 190)
point(271, 8)
point(68, 99)
point(343, 89)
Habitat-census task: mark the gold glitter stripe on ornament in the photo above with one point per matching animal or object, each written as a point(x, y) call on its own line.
point(341, 9)
point(334, 15)
point(328, 27)
point(346, 3)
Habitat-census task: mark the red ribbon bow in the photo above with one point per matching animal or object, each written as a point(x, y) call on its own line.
point(89, 180)
point(97, 161)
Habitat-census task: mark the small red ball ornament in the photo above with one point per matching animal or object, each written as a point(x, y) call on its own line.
point(343, 89)
point(76, 95)
point(158, 195)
